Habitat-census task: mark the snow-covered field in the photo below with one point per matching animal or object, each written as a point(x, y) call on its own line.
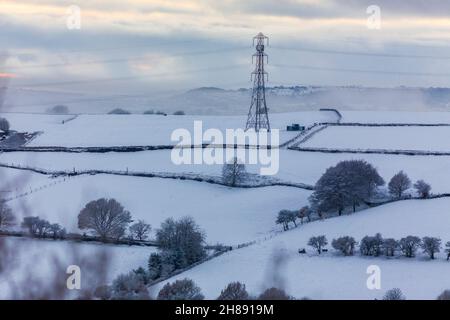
point(236, 215)
point(294, 166)
point(227, 215)
point(332, 276)
point(123, 130)
point(391, 138)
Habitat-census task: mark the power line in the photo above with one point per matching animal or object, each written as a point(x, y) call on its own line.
point(103, 80)
point(401, 73)
point(107, 61)
point(361, 53)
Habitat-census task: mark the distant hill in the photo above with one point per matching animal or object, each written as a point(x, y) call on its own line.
point(218, 101)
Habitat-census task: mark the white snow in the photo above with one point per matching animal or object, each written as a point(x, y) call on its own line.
point(332, 276)
point(391, 138)
point(227, 215)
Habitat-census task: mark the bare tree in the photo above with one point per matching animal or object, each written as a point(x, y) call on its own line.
point(394, 294)
point(105, 217)
point(371, 246)
point(389, 246)
point(7, 218)
point(409, 245)
point(234, 291)
point(431, 246)
point(423, 188)
point(349, 183)
point(318, 243)
point(233, 172)
point(184, 289)
point(399, 184)
point(304, 212)
point(140, 230)
point(344, 244)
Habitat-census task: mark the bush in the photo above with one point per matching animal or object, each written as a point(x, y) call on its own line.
point(394, 294)
point(445, 295)
point(106, 218)
point(4, 125)
point(431, 246)
point(422, 188)
point(409, 245)
point(345, 245)
point(155, 265)
point(119, 111)
point(234, 291)
point(274, 294)
point(180, 290)
point(58, 109)
point(179, 113)
point(318, 243)
point(233, 172)
point(7, 218)
point(182, 241)
point(129, 286)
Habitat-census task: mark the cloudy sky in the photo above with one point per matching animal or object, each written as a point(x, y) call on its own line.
point(154, 46)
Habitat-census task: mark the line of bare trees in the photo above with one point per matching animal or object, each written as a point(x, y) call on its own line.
point(378, 246)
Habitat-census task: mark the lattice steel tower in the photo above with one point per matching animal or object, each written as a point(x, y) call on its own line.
point(258, 117)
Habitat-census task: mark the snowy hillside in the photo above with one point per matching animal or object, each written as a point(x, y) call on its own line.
point(331, 276)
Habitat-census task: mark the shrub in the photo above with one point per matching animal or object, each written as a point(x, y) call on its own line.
point(394, 294)
point(180, 290)
point(4, 125)
point(345, 245)
point(129, 286)
point(422, 188)
point(445, 295)
point(179, 113)
point(119, 111)
point(58, 109)
point(7, 218)
point(233, 172)
point(274, 294)
point(181, 241)
point(234, 291)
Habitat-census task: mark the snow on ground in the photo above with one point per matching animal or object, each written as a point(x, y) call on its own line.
point(227, 215)
point(122, 130)
point(332, 276)
point(392, 138)
point(36, 259)
point(294, 166)
point(395, 117)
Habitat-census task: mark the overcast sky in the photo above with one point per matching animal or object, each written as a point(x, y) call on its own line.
point(135, 46)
